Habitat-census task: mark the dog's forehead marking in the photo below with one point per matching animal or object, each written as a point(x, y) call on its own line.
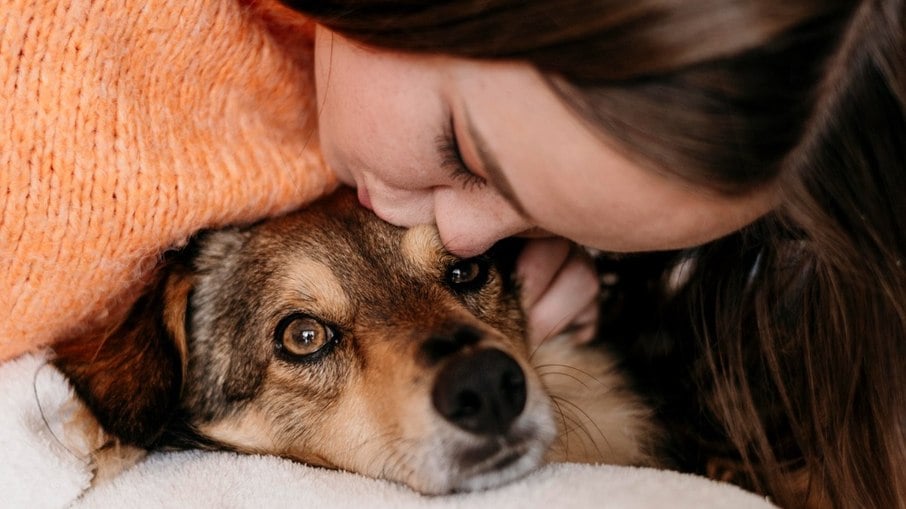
point(421, 246)
point(314, 281)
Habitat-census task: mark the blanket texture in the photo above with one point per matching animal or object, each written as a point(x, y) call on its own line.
point(47, 465)
point(125, 126)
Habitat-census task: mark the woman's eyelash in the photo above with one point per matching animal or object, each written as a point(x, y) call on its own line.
point(451, 160)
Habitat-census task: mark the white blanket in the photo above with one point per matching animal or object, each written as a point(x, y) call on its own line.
point(47, 466)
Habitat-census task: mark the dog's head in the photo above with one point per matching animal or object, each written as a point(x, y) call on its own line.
point(330, 337)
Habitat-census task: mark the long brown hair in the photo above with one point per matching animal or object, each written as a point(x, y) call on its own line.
point(807, 307)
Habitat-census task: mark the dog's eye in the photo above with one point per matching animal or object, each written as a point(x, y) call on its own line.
point(469, 274)
point(303, 336)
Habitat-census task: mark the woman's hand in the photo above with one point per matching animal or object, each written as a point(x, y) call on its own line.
point(559, 290)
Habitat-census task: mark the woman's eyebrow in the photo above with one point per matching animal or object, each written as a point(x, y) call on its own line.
point(492, 168)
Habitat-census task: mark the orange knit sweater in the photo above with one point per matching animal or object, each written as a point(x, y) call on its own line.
point(126, 125)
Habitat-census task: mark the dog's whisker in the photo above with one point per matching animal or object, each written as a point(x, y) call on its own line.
point(588, 419)
point(568, 417)
point(564, 435)
point(556, 329)
point(577, 428)
point(537, 347)
point(572, 427)
point(560, 373)
point(542, 342)
point(586, 374)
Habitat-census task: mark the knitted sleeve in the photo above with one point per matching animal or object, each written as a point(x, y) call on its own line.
point(125, 126)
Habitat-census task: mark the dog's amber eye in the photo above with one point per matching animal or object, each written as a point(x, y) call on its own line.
point(303, 336)
point(469, 274)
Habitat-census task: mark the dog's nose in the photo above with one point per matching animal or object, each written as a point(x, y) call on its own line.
point(483, 392)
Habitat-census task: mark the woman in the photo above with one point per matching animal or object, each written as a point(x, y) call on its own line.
point(652, 125)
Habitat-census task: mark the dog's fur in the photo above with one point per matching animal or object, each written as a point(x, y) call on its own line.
point(417, 368)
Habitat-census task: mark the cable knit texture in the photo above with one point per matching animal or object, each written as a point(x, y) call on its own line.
point(125, 126)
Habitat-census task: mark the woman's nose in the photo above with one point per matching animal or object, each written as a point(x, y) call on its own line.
point(470, 225)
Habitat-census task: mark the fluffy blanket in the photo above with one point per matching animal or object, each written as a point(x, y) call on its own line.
point(48, 465)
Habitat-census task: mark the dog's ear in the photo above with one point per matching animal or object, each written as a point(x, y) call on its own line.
point(131, 376)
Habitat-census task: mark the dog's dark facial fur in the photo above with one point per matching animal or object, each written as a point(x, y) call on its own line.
point(333, 338)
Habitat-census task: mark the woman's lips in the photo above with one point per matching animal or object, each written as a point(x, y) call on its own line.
point(364, 199)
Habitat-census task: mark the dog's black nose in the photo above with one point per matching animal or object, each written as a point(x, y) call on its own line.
point(482, 392)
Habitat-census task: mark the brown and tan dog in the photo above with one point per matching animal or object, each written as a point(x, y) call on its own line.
point(332, 338)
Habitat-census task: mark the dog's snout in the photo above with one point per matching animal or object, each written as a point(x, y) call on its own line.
point(482, 392)
point(439, 346)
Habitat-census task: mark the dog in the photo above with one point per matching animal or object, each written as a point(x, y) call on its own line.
point(337, 340)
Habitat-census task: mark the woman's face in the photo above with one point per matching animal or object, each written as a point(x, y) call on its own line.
point(487, 150)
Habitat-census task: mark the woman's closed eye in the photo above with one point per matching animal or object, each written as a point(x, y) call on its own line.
point(451, 160)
